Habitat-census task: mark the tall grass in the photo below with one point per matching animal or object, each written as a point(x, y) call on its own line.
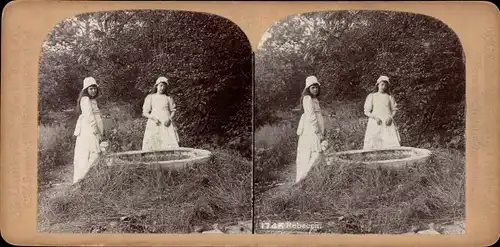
point(345, 124)
point(361, 200)
point(276, 144)
point(149, 200)
point(141, 200)
point(354, 199)
point(56, 141)
point(55, 149)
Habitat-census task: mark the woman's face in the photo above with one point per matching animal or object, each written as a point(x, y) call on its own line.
point(382, 86)
point(161, 87)
point(92, 91)
point(314, 89)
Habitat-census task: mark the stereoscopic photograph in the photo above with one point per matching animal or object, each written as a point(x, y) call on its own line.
point(359, 125)
point(145, 124)
point(146, 120)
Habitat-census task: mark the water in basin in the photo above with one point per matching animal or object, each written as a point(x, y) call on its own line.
point(393, 157)
point(170, 158)
point(156, 156)
point(380, 155)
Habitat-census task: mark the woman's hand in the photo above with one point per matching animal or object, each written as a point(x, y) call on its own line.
point(321, 137)
point(379, 121)
point(388, 122)
point(97, 133)
point(157, 122)
point(167, 122)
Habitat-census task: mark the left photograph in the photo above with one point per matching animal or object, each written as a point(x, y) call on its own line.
point(145, 124)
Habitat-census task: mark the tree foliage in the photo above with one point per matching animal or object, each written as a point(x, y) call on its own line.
point(349, 50)
point(207, 59)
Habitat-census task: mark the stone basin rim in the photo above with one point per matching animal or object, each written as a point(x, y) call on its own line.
point(204, 154)
point(421, 154)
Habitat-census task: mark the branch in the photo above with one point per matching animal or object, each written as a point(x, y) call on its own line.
point(77, 22)
point(125, 22)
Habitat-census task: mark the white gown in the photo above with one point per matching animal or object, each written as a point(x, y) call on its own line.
point(380, 136)
point(88, 131)
point(309, 144)
point(159, 137)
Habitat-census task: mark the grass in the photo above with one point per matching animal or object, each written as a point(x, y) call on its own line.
point(275, 144)
point(55, 149)
point(351, 198)
point(274, 147)
point(374, 200)
point(154, 201)
point(124, 200)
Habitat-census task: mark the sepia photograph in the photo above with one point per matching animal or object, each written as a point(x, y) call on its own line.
point(238, 123)
point(359, 125)
point(145, 124)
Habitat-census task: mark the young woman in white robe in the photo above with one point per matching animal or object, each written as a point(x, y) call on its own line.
point(311, 129)
point(380, 107)
point(88, 131)
point(160, 133)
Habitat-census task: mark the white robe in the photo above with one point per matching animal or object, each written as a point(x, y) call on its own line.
point(159, 137)
point(380, 136)
point(309, 144)
point(88, 131)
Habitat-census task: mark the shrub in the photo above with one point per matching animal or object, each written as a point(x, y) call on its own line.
point(210, 82)
point(349, 50)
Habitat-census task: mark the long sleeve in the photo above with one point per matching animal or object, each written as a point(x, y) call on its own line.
point(368, 107)
point(147, 106)
point(309, 113)
point(393, 105)
point(172, 106)
point(87, 113)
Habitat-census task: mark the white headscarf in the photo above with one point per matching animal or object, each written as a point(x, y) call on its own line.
point(89, 81)
point(382, 78)
point(161, 79)
point(311, 80)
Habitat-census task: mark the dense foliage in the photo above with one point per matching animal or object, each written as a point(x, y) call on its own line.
point(349, 50)
point(207, 58)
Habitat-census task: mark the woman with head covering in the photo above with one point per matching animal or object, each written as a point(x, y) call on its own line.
point(311, 129)
point(89, 129)
point(160, 133)
point(380, 107)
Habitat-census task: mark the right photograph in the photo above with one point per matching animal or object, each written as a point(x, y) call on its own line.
point(359, 125)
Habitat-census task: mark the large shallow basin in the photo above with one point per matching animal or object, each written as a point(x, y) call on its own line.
point(392, 157)
point(173, 158)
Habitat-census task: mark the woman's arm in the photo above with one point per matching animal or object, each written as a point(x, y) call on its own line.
point(369, 107)
point(311, 116)
point(87, 113)
point(146, 108)
point(394, 106)
point(172, 107)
